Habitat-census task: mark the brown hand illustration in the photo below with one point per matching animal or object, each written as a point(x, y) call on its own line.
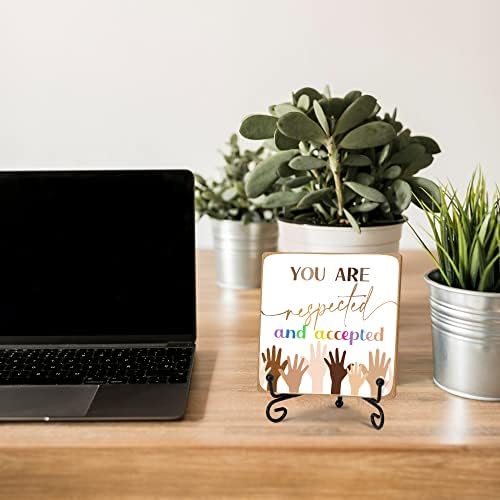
point(295, 372)
point(317, 367)
point(377, 368)
point(337, 370)
point(357, 375)
point(263, 373)
point(272, 359)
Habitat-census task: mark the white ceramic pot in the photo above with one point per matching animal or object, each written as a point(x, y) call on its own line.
point(294, 237)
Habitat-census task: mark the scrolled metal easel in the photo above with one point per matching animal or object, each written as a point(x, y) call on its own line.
point(377, 419)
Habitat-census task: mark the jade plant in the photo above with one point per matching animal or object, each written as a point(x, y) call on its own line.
point(226, 198)
point(467, 237)
point(338, 162)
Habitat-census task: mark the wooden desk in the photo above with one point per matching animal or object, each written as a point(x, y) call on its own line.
point(433, 445)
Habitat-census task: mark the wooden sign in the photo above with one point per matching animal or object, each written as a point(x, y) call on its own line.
point(329, 323)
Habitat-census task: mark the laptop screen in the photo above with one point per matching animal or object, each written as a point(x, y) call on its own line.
point(97, 253)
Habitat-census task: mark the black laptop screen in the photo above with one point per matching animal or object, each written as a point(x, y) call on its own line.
point(97, 253)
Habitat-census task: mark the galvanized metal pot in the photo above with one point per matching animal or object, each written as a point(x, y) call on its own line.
point(465, 340)
point(238, 251)
point(296, 237)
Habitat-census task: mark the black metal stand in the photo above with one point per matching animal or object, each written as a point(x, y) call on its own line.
point(377, 419)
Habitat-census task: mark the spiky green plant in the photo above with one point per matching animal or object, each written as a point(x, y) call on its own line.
point(226, 198)
point(337, 162)
point(467, 237)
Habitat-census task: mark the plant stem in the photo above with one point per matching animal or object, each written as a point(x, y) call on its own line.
point(333, 160)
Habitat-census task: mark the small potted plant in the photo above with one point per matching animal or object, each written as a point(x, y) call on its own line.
point(465, 291)
point(242, 230)
point(339, 166)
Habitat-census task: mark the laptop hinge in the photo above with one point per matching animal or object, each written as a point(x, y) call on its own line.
point(180, 344)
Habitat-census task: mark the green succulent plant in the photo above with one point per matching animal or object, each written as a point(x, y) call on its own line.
point(337, 162)
point(467, 237)
point(226, 198)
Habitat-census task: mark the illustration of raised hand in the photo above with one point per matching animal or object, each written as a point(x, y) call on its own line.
point(317, 367)
point(377, 368)
point(356, 373)
point(337, 370)
point(295, 372)
point(389, 381)
point(272, 359)
point(263, 372)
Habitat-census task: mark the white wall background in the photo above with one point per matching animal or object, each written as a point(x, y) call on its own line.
point(155, 83)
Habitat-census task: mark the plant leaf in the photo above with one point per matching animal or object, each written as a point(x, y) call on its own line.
point(364, 178)
point(313, 94)
point(407, 155)
point(229, 194)
point(314, 197)
point(265, 174)
point(258, 127)
point(355, 160)
point(367, 192)
point(384, 154)
point(431, 255)
point(486, 273)
point(284, 143)
point(307, 163)
point(298, 182)
point(334, 106)
point(355, 114)
point(375, 110)
point(477, 261)
point(392, 172)
point(308, 217)
point(365, 207)
point(369, 135)
point(200, 180)
point(403, 139)
point(431, 146)
point(279, 110)
point(320, 115)
point(280, 199)
point(401, 194)
point(304, 102)
point(418, 164)
point(300, 127)
point(284, 170)
point(352, 96)
point(426, 191)
point(352, 221)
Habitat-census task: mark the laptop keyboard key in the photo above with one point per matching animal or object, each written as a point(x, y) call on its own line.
point(94, 381)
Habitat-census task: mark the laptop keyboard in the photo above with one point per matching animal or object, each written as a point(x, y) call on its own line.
point(152, 365)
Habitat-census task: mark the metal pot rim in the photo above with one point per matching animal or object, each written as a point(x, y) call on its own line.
point(231, 221)
point(432, 282)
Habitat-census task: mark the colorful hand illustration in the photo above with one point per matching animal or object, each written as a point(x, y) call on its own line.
point(337, 370)
point(263, 373)
point(294, 375)
point(317, 367)
point(357, 375)
point(377, 368)
point(272, 359)
point(389, 380)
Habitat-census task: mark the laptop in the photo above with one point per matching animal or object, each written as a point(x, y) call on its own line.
point(97, 294)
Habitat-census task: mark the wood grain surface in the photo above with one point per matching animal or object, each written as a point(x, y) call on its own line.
point(433, 445)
